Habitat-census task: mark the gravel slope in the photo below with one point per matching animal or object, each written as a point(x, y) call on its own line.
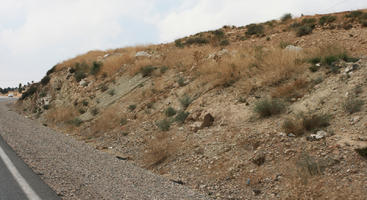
point(75, 170)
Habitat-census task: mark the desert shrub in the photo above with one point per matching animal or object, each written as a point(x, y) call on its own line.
point(269, 107)
point(94, 111)
point(308, 21)
point(178, 43)
point(354, 14)
point(352, 105)
point(181, 116)
point(96, 67)
point(45, 80)
point(147, 70)
point(163, 69)
point(123, 121)
point(295, 25)
point(76, 122)
point(315, 60)
point(31, 90)
point(81, 70)
point(364, 23)
point(255, 29)
point(293, 126)
point(85, 102)
point(46, 107)
point(132, 107)
point(185, 101)
point(294, 89)
point(224, 43)
point(52, 70)
point(327, 19)
point(170, 112)
point(164, 125)
point(284, 44)
point(362, 152)
point(304, 30)
point(79, 75)
point(314, 121)
point(347, 26)
point(197, 40)
point(286, 17)
point(218, 33)
point(181, 81)
point(330, 59)
point(314, 68)
point(150, 105)
point(111, 92)
point(104, 87)
point(81, 111)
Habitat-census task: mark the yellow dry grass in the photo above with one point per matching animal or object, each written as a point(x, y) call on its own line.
point(108, 120)
point(61, 114)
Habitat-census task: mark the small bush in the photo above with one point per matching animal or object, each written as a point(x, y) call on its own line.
point(353, 105)
point(96, 67)
point(255, 29)
point(329, 60)
point(79, 75)
point(286, 17)
point(347, 26)
point(147, 70)
point(81, 111)
point(132, 107)
point(327, 19)
point(354, 14)
point(218, 33)
point(181, 81)
point(94, 111)
point(224, 43)
point(123, 121)
point(111, 92)
point(76, 122)
point(313, 121)
point(164, 125)
point(293, 126)
point(150, 105)
point(364, 23)
point(85, 102)
point(309, 21)
point(314, 68)
point(185, 101)
point(104, 87)
point(315, 60)
point(31, 90)
point(163, 69)
point(52, 70)
point(45, 80)
point(181, 116)
point(178, 43)
point(46, 107)
point(197, 40)
point(170, 112)
point(269, 107)
point(362, 152)
point(304, 30)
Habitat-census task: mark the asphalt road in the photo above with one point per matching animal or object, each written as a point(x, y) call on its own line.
point(17, 180)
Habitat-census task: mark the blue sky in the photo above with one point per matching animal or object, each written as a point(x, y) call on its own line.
point(37, 34)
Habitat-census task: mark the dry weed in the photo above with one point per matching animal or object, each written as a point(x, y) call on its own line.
point(108, 120)
point(61, 114)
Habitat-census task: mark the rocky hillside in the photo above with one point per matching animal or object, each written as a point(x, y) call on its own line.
point(264, 111)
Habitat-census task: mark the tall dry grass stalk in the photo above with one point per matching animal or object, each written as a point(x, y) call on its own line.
point(61, 114)
point(108, 120)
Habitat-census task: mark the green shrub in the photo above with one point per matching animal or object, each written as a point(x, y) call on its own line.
point(362, 152)
point(224, 43)
point(269, 107)
point(181, 81)
point(132, 107)
point(327, 19)
point(304, 30)
point(286, 17)
point(354, 14)
point(81, 70)
point(147, 70)
point(308, 21)
point(45, 80)
point(81, 111)
point(123, 121)
point(314, 68)
point(364, 23)
point(163, 69)
point(31, 90)
point(170, 112)
point(185, 101)
point(79, 75)
point(218, 33)
point(315, 60)
point(111, 92)
point(347, 26)
point(181, 116)
point(46, 107)
point(164, 125)
point(352, 105)
point(329, 60)
point(96, 67)
point(197, 40)
point(255, 29)
point(85, 102)
point(178, 43)
point(76, 122)
point(52, 70)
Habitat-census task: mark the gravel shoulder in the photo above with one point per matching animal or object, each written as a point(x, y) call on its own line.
point(75, 170)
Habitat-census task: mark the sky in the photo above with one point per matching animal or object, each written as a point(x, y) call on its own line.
point(37, 34)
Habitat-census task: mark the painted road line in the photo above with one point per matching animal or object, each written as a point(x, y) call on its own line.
point(29, 192)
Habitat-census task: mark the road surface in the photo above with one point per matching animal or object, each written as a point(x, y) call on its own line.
point(17, 180)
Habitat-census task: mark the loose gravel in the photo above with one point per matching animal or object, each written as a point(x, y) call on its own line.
point(75, 170)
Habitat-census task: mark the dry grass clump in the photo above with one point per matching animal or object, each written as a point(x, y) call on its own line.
point(306, 122)
point(107, 120)
point(62, 114)
point(294, 89)
point(159, 149)
point(87, 58)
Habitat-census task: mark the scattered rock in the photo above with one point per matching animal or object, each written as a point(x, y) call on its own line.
point(83, 83)
point(208, 121)
point(291, 135)
point(142, 54)
point(318, 136)
point(293, 48)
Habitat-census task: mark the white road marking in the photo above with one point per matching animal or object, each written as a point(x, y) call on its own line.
point(29, 192)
